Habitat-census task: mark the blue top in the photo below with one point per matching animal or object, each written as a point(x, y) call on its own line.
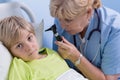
point(103, 48)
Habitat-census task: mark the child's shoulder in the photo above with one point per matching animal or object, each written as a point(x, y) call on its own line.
point(21, 68)
point(47, 50)
point(17, 61)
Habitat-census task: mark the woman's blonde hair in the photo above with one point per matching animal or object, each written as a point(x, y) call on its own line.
point(68, 9)
point(11, 28)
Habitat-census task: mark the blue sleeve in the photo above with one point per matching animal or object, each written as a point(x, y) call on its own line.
point(111, 55)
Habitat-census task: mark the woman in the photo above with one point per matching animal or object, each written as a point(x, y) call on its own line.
point(94, 32)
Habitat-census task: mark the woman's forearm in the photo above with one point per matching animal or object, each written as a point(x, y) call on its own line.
point(89, 70)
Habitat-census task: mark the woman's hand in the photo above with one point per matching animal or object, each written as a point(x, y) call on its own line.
point(67, 50)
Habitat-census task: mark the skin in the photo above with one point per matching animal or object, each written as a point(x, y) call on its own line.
point(26, 47)
point(78, 21)
point(69, 51)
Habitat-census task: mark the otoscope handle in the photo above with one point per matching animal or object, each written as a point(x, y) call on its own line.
point(53, 29)
point(58, 37)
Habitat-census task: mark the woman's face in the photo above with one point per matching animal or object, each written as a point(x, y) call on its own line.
point(76, 25)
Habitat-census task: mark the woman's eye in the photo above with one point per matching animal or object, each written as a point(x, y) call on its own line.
point(68, 20)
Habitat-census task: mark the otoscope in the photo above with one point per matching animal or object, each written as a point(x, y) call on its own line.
point(57, 36)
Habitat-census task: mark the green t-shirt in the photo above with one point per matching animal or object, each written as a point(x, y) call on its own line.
point(48, 68)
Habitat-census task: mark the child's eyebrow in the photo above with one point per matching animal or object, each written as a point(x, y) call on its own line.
point(28, 34)
point(19, 41)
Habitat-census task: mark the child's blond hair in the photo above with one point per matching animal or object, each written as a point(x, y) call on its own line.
point(11, 28)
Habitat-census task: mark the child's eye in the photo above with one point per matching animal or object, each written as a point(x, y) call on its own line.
point(19, 45)
point(30, 37)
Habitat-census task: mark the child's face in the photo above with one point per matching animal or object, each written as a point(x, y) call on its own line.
point(26, 47)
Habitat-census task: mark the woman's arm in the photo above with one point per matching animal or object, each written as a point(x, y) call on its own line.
point(68, 51)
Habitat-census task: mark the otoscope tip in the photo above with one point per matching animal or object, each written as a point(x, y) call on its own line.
point(51, 28)
point(48, 29)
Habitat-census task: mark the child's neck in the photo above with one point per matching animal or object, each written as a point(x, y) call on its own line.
point(42, 56)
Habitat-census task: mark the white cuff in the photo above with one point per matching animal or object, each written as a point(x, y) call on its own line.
point(78, 61)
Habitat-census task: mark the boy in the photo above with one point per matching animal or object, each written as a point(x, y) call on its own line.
point(30, 63)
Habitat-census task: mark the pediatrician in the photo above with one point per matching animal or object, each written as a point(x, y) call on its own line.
point(91, 37)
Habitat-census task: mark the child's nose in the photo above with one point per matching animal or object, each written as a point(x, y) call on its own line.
point(29, 47)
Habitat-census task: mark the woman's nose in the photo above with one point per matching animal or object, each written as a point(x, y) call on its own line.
point(64, 26)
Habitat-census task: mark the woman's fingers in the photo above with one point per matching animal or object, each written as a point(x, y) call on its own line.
point(66, 41)
point(61, 44)
point(64, 44)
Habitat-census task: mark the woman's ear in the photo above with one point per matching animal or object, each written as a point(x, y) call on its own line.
point(89, 13)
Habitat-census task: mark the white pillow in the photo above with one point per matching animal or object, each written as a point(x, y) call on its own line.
point(39, 32)
point(5, 57)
